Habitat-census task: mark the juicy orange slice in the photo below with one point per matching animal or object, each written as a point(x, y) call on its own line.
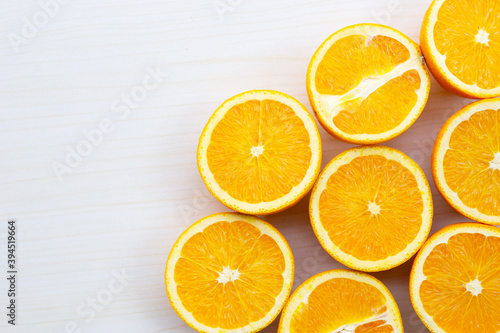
point(466, 161)
point(460, 40)
point(455, 280)
point(367, 83)
point(260, 152)
point(371, 208)
point(341, 301)
point(229, 272)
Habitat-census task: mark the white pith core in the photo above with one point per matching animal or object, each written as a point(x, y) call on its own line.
point(368, 40)
point(474, 287)
point(373, 208)
point(495, 163)
point(257, 151)
point(351, 328)
point(228, 275)
point(367, 86)
point(483, 37)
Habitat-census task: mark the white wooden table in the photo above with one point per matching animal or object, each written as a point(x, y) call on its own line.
point(101, 106)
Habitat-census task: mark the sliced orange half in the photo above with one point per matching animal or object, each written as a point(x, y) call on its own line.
point(455, 280)
point(371, 208)
point(466, 161)
point(341, 301)
point(460, 40)
point(229, 272)
point(260, 152)
point(367, 83)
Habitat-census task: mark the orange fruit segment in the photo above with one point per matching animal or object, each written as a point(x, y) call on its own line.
point(341, 301)
point(466, 161)
point(461, 43)
point(229, 272)
point(260, 152)
point(367, 83)
point(371, 208)
point(455, 280)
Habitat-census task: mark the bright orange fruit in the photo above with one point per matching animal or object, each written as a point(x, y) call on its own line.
point(455, 280)
point(460, 40)
point(466, 161)
point(371, 208)
point(229, 272)
point(367, 83)
point(260, 152)
point(341, 301)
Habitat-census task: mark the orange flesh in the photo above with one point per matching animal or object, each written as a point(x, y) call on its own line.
point(377, 113)
point(338, 302)
point(467, 164)
point(448, 269)
point(282, 164)
point(354, 59)
point(458, 24)
point(344, 205)
point(237, 246)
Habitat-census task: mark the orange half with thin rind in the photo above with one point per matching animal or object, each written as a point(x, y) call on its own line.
point(455, 280)
point(341, 301)
point(260, 152)
point(367, 83)
point(229, 273)
point(466, 161)
point(371, 208)
point(460, 40)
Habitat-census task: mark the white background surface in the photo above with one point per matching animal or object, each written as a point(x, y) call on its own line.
point(124, 204)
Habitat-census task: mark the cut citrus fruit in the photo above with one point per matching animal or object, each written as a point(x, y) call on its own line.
point(371, 208)
point(229, 272)
point(367, 83)
point(466, 161)
point(455, 280)
point(460, 41)
point(260, 152)
point(341, 301)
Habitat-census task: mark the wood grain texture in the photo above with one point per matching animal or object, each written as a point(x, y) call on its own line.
point(123, 204)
